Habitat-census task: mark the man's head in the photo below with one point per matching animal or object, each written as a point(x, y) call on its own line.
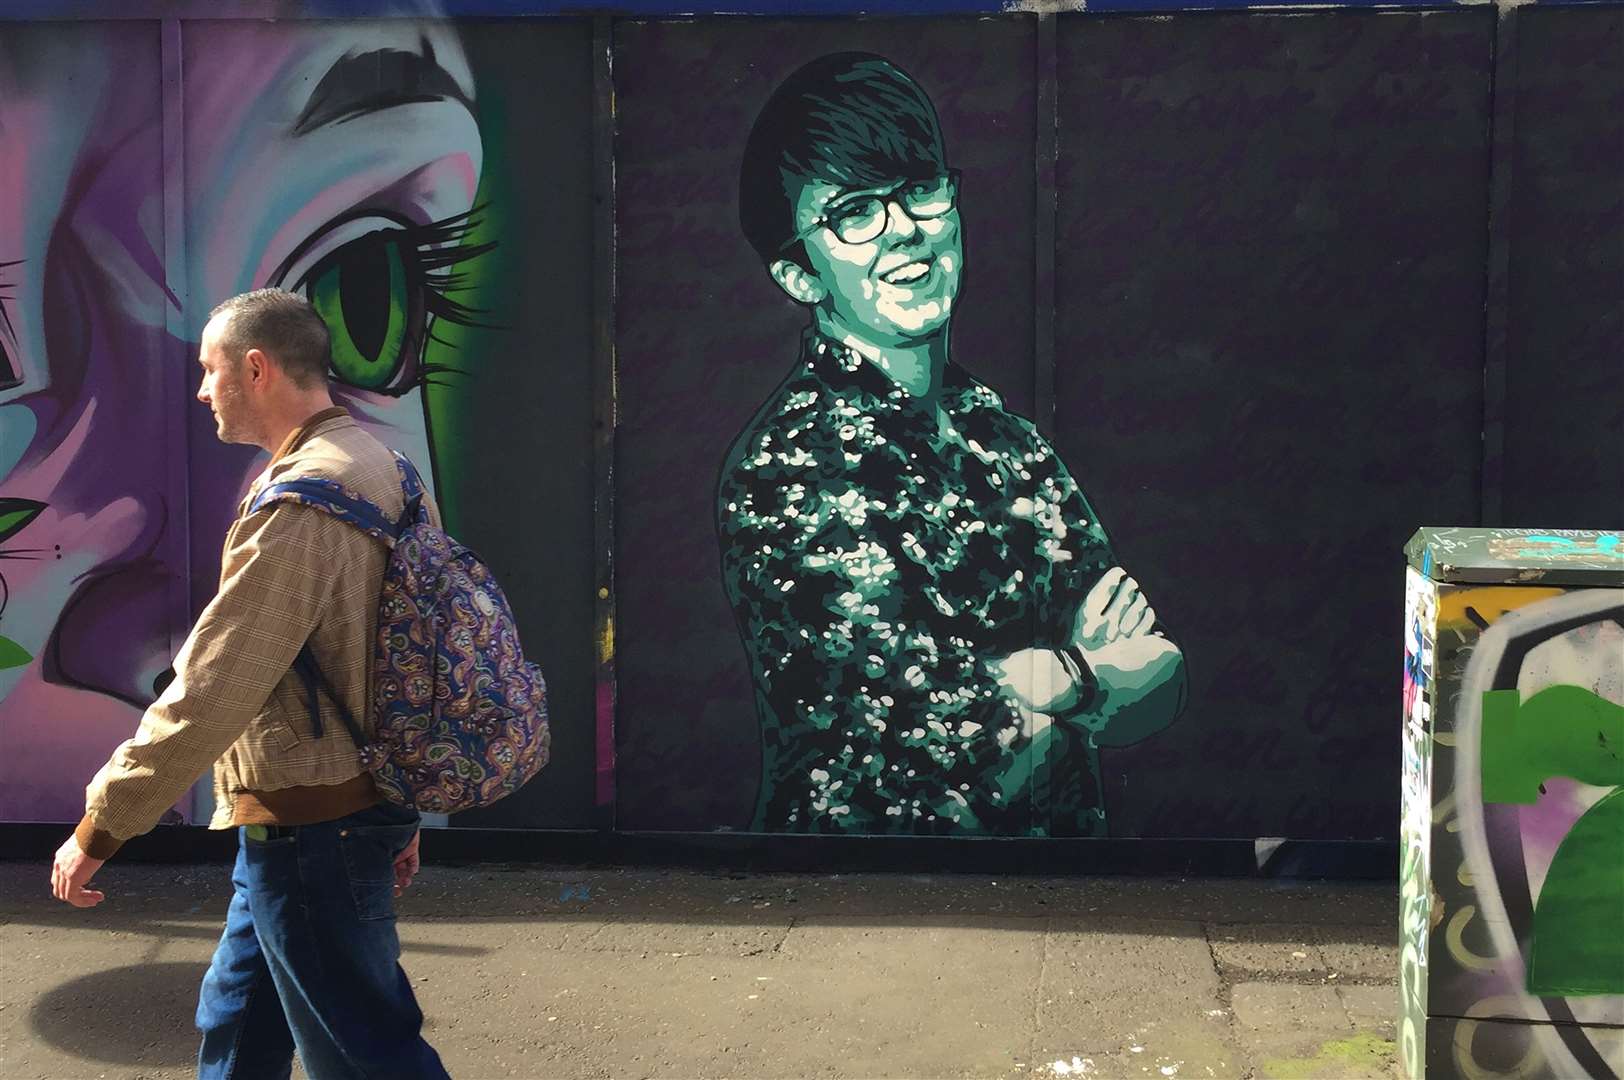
point(845, 194)
point(264, 356)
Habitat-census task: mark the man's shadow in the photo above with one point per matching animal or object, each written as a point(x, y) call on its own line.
point(135, 1015)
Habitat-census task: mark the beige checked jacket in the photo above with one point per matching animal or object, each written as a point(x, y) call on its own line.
point(289, 573)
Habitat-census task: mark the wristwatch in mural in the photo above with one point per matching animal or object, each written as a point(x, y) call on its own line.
point(1082, 676)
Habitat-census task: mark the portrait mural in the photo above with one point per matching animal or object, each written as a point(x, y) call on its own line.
point(939, 631)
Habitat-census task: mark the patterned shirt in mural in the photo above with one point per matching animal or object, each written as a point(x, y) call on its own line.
point(880, 552)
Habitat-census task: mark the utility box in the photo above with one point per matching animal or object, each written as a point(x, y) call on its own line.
point(1512, 877)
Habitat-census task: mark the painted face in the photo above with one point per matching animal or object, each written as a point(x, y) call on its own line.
point(90, 556)
point(337, 159)
point(345, 171)
point(895, 283)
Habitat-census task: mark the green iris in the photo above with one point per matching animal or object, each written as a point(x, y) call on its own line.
point(363, 294)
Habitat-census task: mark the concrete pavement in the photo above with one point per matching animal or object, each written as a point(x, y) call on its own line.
point(566, 972)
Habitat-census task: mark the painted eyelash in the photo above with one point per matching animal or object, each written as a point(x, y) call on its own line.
point(439, 248)
point(5, 293)
point(10, 373)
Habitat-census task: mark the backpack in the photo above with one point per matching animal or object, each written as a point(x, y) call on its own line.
point(460, 718)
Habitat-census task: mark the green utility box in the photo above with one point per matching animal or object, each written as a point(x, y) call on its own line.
point(1512, 875)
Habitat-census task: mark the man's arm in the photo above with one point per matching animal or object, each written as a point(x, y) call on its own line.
point(274, 590)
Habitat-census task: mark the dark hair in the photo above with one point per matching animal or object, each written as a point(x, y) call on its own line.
point(852, 119)
point(284, 326)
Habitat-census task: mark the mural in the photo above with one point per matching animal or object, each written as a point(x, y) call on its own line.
point(704, 340)
point(343, 160)
point(92, 480)
point(991, 481)
point(939, 632)
point(1513, 868)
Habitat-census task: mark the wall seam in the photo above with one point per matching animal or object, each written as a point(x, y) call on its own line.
point(175, 378)
point(1496, 284)
point(605, 419)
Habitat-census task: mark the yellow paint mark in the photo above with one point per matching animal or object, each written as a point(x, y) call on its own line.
point(1457, 945)
point(1362, 1055)
point(1491, 602)
point(606, 641)
point(1532, 1062)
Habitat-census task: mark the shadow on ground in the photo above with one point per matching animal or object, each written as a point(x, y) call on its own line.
point(123, 1015)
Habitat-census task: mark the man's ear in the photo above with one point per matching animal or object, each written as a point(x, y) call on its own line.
point(256, 367)
point(798, 283)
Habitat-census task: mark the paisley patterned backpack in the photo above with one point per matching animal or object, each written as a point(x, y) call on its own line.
point(460, 717)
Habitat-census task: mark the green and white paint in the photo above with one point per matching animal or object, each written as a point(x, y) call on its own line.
point(939, 631)
point(1415, 893)
point(1513, 959)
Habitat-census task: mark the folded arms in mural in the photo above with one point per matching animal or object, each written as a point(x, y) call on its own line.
point(938, 630)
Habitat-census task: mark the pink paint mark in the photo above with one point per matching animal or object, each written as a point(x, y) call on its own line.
point(462, 164)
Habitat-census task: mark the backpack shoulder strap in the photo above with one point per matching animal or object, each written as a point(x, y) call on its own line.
point(411, 485)
point(316, 684)
point(335, 499)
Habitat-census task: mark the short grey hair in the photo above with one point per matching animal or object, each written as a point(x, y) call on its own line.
point(284, 326)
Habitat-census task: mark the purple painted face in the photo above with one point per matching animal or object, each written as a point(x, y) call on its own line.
point(330, 158)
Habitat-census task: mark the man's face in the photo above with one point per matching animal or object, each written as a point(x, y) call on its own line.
point(899, 286)
point(222, 388)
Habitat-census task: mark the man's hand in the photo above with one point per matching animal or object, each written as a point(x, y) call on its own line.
point(407, 863)
point(71, 872)
point(1113, 609)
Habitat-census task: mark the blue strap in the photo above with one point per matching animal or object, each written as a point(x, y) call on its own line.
point(412, 485)
point(409, 479)
point(315, 683)
point(305, 665)
point(332, 497)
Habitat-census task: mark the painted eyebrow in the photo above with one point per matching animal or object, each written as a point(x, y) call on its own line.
point(360, 84)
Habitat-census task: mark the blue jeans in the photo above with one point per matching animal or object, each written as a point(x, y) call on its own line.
point(310, 958)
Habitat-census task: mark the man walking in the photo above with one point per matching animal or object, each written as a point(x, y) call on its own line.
point(310, 955)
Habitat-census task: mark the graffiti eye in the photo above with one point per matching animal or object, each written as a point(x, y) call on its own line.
point(370, 294)
point(380, 283)
point(15, 513)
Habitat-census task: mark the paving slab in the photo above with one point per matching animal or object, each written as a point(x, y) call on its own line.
point(1359, 952)
point(1137, 995)
point(923, 997)
point(1295, 1031)
point(1372, 1009)
point(1278, 950)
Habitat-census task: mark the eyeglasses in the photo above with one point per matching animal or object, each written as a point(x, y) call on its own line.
point(861, 217)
